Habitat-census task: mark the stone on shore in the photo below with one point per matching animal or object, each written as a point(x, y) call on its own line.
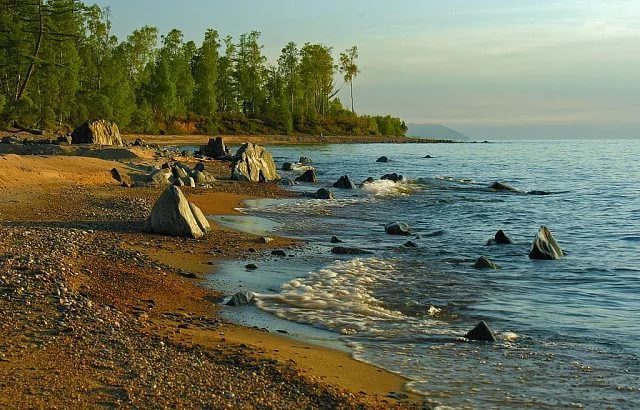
point(481, 332)
point(485, 263)
point(201, 220)
point(254, 163)
point(344, 182)
point(215, 148)
point(544, 246)
point(99, 132)
point(173, 215)
point(241, 299)
point(397, 228)
point(308, 176)
point(116, 175)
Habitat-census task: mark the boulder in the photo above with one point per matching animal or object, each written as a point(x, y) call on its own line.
point(305, 161)
point(215, 148)
point(173, 215)
point(160, 177)
point(344, 183)
point(180, 171)
point(410, 244)
point(501, 187)
point(481, 332)
point(253, 163)
point(199, 167)
point(251, 266)
point(100, 132)
point(397, 228)
point(287, 166)
point(279, 252)
point(484, 263)
point(544, 246)
point(308, 176)
point(501, 238)
point(335, 239)
point(116, 175)
point(201, 220)
point(343, 250)
point(393, 177)
point(382, 159)
point(324, 194)
point(241, 299)
point(11, 140)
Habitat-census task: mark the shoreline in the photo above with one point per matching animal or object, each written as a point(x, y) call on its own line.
point(135, 290)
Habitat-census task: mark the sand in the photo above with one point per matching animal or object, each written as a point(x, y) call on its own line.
point(77, 195)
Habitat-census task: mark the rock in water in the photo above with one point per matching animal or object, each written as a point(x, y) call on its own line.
point(254, 163)
point(484, 263)
point(502, 238)
point(305, 161)
point(201, 220)
point(100, 132)
point(544, 246)
point(410, 244)
point(308, 176)
point(324, 194)
point(172, 215)
point(116, 175)
point(241, 299)
point(393, 177)
point(343, 250)
point(215, 148)
point(335, 239)
point(287, 166)
point(481, 332)
point(344, 183)
point(397, 228)
point(382, 159)
point(501, 187)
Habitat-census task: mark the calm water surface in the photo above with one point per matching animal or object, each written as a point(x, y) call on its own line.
point(568, 330)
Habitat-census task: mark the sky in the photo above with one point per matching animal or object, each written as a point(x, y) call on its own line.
point(488, 68)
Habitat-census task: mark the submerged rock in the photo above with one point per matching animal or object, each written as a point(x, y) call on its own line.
point(410, 244)
point(485, 263)
point(335, 239)
point(279, 252)
point(343, 250)
point(544, 246)
point(397, 228)
point(173, 215)
point(344, 183)
point(382, 159)
point(251, 266)
point(367, 181)
point(99, 132)
point(308, 176)
point(481, 332)
point(501, 187)
point(254, 163)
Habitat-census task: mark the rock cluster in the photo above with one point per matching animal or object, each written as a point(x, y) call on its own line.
point(99, 132)
point(253, 163)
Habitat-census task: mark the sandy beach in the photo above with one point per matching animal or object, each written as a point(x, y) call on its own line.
point(98, 313)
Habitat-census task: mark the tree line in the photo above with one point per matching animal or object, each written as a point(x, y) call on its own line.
point(61, 65)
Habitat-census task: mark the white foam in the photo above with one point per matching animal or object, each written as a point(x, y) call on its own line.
point(385, 187)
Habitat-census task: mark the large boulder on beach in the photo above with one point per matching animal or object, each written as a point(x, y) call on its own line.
point(397, 228)
point(215, 148)
point(254, 163)
point(99, 132)
point(344, 182)
point(544, 246)
point(174, 215)
point(308, 176)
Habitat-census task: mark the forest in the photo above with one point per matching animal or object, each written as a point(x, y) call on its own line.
point(60, 65)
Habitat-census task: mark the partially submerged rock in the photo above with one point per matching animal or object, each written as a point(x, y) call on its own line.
point(502, 187)
point(308, 176)
point(174, 215)
point(344, 182)
point(397, 228)
point(382, 159)
point(335, 239)
point(500, 238)
point(287, 166)
point(544, 246)
point(323, 194)
point(485, 263)
point(410, 244)
point(99, 132)
point(343, 250)
point(481, 332)
point(254, 163)
point(241, 299)
point(305, 161)
point(393, 177)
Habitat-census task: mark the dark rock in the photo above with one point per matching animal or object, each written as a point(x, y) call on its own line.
point(538, 193)
point(544, 246)
point(410, 244)
point(393, 177)
point(178, 182)
point(100, 132)
point(254, 163)
point(241, 299)
point(484, 263)
point(342, 250)
point(308, 176)
point(199, 167)
point(305, 161)
point(481, 332)
point(368, 181)
point(278, 252)
point(382, 159)
point(344, 183)
point(428, 156)
point(11, 140)
point(324, 194)
point(335, 239)
point(287, 166)
point(179, 172)
point(251, 266)
point(116, 175)
point(501, 238)
point(501, 187)
point(215, 148)
point(397, 228)
point(139, 142)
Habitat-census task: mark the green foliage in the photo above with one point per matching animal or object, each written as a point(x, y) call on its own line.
point(60, 65)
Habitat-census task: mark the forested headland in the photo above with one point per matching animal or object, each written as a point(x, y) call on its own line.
point(61, 65)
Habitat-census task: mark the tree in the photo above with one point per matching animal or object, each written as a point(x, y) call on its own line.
point(225, 83)
point(250, 72)
point(288, 63)
point(349, 69)
point(205, 73)
point(316, 71)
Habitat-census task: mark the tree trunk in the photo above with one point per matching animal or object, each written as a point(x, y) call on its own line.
point(32, 65)
point(352, 110)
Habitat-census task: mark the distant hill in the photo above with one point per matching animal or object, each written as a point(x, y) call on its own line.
point(436, 131)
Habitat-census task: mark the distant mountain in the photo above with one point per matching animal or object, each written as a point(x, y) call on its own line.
point(436, 131)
